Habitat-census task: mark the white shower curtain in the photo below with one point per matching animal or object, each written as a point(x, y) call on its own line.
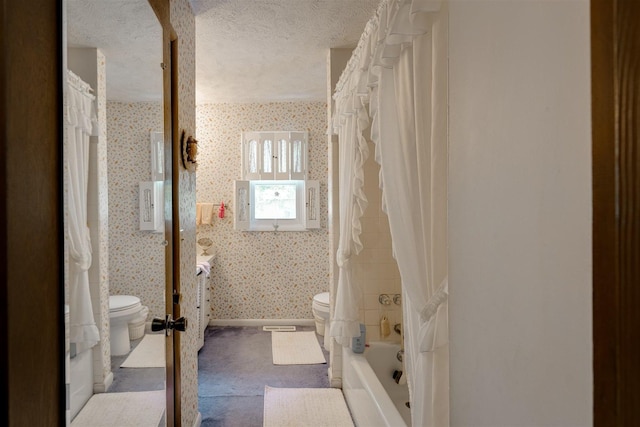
point(79, 122)
point(353, 153)
point(399, 70)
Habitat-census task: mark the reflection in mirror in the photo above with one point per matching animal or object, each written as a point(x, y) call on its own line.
point(114, 267)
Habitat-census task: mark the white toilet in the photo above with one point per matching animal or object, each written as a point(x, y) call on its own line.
point(320, 309)
point(123, 310)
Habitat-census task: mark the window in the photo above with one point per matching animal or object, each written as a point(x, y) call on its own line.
point(277, 205)
point(275, 199)
point(274, 194)
point(274, 155)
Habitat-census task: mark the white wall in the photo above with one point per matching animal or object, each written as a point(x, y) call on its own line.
point(520, 213)
point(336, 62)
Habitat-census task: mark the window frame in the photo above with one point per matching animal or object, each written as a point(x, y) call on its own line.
point(307, 208)
point(277, 224)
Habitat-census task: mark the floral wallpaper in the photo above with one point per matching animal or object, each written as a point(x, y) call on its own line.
point(100, 217)
point(261, 275)
point(183, 22)
point(136, 258)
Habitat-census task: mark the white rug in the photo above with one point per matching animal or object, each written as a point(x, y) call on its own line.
point(298, 407)
point(296, 348)
point(135, 409)
point(149, 353)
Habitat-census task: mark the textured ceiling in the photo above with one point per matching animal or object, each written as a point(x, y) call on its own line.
point(257, 50)
point(246, 50)
point(129, 35)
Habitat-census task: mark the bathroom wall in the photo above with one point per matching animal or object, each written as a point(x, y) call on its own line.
point(520, 214)
point(261, 275)
point(183, 22)
point(136, 258)
point(374, 268)
point(336, 62)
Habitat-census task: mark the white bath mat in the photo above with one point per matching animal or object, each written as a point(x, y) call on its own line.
point(296, 348)
point(149, 353)
point(135, 409)
point(299, 407)
point(279, 328)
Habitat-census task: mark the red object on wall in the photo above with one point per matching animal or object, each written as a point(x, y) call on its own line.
point(221, 210)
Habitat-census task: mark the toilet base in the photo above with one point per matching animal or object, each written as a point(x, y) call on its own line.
point(137, 325)
point(120, 344)
point(319, 325)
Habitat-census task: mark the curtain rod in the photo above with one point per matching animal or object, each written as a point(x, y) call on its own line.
point(75, 81)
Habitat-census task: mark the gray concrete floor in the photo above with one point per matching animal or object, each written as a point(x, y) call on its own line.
point(135, 379)
point(235, 365)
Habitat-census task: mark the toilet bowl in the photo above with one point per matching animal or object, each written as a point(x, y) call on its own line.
point(320, 309)
point(123, 309)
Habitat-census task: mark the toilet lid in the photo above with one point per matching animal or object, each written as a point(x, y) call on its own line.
point(322, 299)
point(122, 302)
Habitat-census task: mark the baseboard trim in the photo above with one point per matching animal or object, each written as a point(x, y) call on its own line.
point(198, 421)
point(335, 382)
point(261, 322)
point(103, 386)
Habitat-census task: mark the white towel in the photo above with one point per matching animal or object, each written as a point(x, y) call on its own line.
point(206, 267)
point(198, 213)
point(207, 213)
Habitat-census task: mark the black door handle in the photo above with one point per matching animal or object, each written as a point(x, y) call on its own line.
point(180, 324)
point(158, 324)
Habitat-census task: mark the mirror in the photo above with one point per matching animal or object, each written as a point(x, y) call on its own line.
point(114, 268)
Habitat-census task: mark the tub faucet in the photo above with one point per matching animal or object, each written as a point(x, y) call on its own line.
point(400, 355)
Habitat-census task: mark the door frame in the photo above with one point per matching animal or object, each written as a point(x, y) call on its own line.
point(31, 213)
point(615, 73)
point(30, 81)
point(32, 371)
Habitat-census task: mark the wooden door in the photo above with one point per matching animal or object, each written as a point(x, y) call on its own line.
point(31, 303)
point(615, 65)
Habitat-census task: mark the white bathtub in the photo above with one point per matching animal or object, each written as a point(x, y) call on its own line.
point(373, 396)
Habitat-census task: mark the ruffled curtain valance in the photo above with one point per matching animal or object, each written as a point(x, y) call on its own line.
point(397, 78)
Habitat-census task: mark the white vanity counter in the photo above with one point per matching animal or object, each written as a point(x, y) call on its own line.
point(204, 293)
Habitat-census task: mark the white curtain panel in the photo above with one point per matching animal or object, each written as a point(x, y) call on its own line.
point(399, 71)
point(78, 127)
point(353, 152)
